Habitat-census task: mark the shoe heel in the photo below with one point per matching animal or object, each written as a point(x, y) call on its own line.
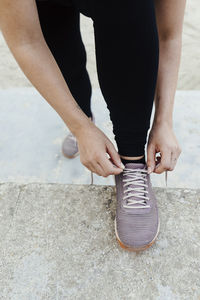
point(92, 178)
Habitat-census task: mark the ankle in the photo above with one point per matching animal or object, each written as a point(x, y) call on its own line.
point(133, 159)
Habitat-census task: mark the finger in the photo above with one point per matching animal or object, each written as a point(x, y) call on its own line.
point(91, 167)
point(114, 155)
point(151, 158)
point(158, 158)
point(96, 168)
point(99, 170)
point(165, 162)
point(173, 160)
point(108, 167)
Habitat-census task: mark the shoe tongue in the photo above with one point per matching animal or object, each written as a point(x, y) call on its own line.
point(133, 166)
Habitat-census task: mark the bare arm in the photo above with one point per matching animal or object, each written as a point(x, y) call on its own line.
point(169, 15)
point(21, 29)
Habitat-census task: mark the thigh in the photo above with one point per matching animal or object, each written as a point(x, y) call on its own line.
point(126, 44)
point(60, 24)
point(61, 29)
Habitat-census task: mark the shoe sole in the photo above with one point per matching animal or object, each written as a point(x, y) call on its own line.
point(132, 248)
point(72, 156)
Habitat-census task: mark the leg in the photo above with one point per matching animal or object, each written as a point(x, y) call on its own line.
point(127, 62)
point(61, 29)
point(127, 52)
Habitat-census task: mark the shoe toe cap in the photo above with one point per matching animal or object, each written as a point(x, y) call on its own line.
point(137, 242)
point(136, 236)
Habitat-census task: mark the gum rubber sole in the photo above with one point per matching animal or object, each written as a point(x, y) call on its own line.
point(136, 249)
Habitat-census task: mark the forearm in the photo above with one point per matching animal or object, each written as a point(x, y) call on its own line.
point(40, 67)
point(169, 62)
point(20, 25)
point(169, 16)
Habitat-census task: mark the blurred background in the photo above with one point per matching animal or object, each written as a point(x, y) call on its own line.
point(32, 132)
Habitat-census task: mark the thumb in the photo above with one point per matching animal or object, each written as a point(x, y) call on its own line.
point(151, 158)
point(114, 155)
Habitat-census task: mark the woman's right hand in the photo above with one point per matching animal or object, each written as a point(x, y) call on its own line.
point(94, 147)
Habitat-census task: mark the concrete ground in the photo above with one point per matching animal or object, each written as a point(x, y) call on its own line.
point(58, 242)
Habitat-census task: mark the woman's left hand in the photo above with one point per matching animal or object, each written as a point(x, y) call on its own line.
point(162, 139)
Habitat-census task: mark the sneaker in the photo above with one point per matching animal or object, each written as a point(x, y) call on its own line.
point(70, 145)
point(137, 220)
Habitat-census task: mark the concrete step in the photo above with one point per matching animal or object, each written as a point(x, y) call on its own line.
point(58, 242)
point(32, 134)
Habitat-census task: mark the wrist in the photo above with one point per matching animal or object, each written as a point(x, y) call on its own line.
point(84, 127)
point(160, 121)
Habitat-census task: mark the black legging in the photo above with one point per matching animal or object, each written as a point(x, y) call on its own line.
point(126, 45)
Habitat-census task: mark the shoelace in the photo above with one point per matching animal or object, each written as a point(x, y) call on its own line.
point(166, 178)
point(92, 178)
point(137, 177)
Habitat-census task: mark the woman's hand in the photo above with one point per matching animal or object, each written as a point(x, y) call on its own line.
point(94, 147)
point(162, 139)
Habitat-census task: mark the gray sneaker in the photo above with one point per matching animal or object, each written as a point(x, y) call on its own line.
point(70, 145)
point(137, 220)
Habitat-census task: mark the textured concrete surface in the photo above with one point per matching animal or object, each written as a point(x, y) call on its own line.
point(58, 242)
point(32, 134)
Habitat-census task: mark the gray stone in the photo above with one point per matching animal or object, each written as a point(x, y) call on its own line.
point(58, 242)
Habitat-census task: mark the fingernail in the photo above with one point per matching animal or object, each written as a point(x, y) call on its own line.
point(149, 170)
point(122, 165)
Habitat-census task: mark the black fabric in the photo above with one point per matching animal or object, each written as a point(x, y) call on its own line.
point(127, 53)
point(141, 160)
